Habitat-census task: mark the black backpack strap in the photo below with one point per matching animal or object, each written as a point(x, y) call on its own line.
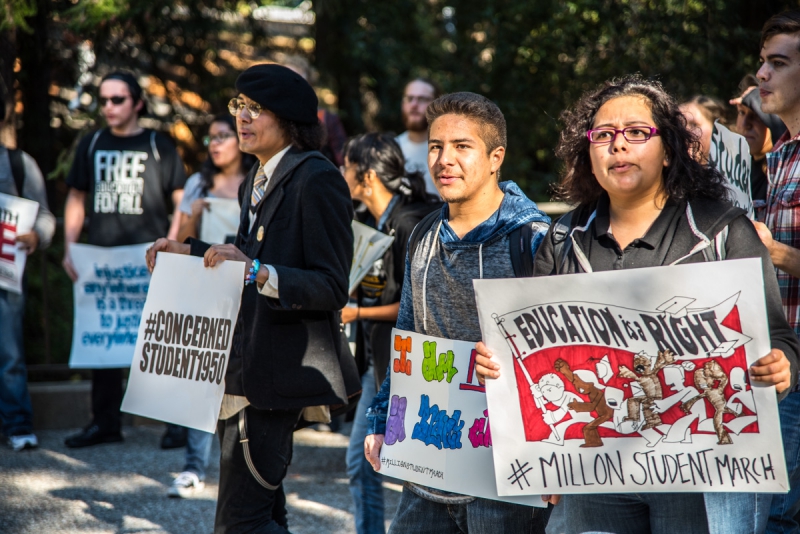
point(17, 169)
point(519, 246)
point(561, 241)
point(420, 230)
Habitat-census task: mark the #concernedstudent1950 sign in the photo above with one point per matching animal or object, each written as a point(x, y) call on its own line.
point(633, 381)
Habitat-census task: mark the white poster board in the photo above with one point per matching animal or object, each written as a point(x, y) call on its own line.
point(184, 342)
point(369, 245)
point(730, 153)
point(109, 296)
point(220, 222)
point(437, 432)
point(17, 216)
point(632, 381)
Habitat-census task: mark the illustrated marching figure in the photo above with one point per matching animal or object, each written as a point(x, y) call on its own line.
point(647, 378)
point(587, 383)
point(704, 379)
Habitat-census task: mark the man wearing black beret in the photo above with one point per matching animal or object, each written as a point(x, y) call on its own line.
point(295, 239)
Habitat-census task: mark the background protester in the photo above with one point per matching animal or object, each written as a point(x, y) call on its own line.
point(780, 95)
point(220, 177)
point(468, 239)
point(296, 242)
point(761, 130)
point(396, 201)
point(128, 204)
point(643, 201)
point(16, 414)
point(417, 95)
point(701, 113)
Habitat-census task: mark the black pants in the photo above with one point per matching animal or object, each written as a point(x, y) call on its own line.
point(244, 505)
point(107, 398)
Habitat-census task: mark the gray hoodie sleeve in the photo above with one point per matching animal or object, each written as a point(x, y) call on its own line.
point(34, 189)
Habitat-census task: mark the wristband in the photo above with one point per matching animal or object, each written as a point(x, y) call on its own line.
point(250, 277)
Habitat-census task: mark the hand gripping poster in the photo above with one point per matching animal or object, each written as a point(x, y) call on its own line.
point(17, 216)
point(109, 296)
point(438, 432)
point(184, 342)
point(632, 381)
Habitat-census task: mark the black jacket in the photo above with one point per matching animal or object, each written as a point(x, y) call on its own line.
point(710, 216)
point(286, 351)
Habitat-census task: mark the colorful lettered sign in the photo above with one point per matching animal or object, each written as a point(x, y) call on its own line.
point(184, 342)
point(438, 430)
point(109, 296)
point(17, 216)
point(632, 381)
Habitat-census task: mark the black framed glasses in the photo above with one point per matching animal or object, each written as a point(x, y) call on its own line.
point(235, 106)
point(219, 138)
point(116, 100)
point(632, 134)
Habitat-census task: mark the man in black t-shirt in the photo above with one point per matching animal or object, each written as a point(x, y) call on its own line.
point(129, 178)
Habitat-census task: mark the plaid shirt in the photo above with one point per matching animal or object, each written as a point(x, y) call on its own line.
point(782, 215)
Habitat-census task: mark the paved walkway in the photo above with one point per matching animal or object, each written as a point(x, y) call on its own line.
point(121, 488)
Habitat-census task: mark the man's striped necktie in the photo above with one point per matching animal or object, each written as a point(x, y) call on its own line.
point(259, 184)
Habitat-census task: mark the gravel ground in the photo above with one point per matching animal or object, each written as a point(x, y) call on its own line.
point(121, 487)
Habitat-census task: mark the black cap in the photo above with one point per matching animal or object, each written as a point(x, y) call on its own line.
point(753, 101)
point(280, 90)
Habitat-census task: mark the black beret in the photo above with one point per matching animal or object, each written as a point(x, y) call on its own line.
point(280, 90)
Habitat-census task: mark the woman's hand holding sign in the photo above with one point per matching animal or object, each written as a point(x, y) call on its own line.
point(773, 369)
point(164, 245)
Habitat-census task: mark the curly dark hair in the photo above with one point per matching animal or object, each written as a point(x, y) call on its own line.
point(302, 135)
point(381, 153)
point(683, 178)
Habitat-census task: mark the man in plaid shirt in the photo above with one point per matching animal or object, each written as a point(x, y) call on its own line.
point(779, 79)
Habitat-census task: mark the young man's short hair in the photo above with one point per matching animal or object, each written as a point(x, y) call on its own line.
point(476, 107)
point(437, 91)
point(786, 22)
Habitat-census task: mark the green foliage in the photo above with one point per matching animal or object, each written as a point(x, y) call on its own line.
point(14, 13)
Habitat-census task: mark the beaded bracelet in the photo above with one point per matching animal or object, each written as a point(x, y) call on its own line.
point(250, 277)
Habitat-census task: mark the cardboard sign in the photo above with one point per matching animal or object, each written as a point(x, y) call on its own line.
point(220, 221)
point(369, 245)
point(438, 432)
point(17, 216)
point(730, 154)
point(632, 381)
point(109, 296)
point(184, 342)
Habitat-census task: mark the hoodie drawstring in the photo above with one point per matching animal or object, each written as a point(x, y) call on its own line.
point(480, 259)
point(425, 277)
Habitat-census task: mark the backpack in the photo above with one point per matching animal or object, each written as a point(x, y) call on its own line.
point(17, 169)
point(519, 244)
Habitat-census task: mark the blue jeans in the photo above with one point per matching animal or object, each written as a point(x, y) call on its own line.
point(481, 516)
point(632, 513)
point(365, 483)
point(786, 505)
point(198, 448)
point(15, 402)
point(737, 513)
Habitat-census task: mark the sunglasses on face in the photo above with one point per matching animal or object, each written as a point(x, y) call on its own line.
point(219, 138)
point(116, 100)
point(235, 107)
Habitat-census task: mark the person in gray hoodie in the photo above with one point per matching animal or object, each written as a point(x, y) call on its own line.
point(469, 239)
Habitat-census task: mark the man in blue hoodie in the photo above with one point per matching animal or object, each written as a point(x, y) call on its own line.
point(469, 240)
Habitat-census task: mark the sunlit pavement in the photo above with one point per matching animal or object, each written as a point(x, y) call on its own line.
point(122, 487)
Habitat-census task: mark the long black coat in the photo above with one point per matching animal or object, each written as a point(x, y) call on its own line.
point(285, 351)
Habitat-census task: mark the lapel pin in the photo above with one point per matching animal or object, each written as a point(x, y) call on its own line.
point(260, 235)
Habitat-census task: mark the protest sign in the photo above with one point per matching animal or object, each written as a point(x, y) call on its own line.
point(220, 221)
point(184, 342)
point(632, 381)
point(730, 154)
point(437, 432)
point(370, 245)
point(109, 296)
point(17, 216)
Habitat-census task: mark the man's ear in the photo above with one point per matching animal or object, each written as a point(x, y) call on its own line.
point(139, 106)
point(496, 157)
